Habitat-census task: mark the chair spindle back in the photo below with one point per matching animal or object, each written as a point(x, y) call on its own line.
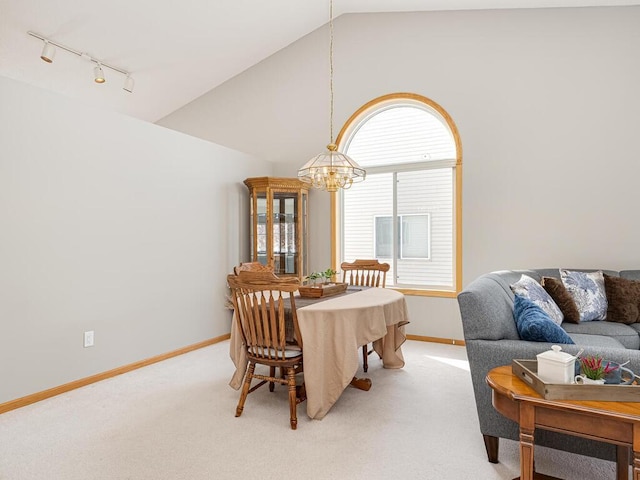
point(259, 302)
point(366, 273)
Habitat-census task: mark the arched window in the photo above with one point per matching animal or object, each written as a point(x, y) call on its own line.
point(407, 211)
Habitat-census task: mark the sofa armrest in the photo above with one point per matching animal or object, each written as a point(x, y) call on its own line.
point(486, 310)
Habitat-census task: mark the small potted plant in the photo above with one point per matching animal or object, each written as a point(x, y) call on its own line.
point(593, 369)
point(327, 274)
point(313, 277)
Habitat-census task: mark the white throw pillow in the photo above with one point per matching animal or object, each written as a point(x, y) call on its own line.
point(527, 287)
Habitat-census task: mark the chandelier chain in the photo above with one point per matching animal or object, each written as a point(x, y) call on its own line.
point(331, 70)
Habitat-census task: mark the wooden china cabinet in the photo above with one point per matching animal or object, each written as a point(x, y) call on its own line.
point(279, 224)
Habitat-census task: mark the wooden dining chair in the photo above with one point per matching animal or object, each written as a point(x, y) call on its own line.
point(259, 267)
point(258, 300)
point(366, 273)
point(252, 267)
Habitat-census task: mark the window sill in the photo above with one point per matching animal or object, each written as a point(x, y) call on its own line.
point(426, 293)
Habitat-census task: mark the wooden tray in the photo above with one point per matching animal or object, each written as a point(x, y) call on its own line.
point(527, 371)
point(323, 290)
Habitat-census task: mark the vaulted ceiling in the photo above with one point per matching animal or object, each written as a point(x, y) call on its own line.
point(177, 51)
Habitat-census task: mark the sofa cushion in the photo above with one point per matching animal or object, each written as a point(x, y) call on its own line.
point(535, 325)
point(636, 328)
point(587, 290)
point(530, 289)
point(630, 274)
point(602, 341)
point(623, 299)
point(627, 335)
point(556, 289)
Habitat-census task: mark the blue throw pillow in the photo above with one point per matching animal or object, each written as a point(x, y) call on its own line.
point(535, 325)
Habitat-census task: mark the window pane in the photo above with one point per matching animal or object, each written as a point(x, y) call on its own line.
point(415, 236)
point(363, 203)
point(384, 237)
point(401, 134)
point(426, 193)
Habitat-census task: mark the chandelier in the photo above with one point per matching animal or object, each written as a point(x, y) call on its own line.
point(332, 169)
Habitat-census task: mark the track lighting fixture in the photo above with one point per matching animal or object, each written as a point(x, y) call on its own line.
point(128, 84)
point(49, 50)
point(98, 74)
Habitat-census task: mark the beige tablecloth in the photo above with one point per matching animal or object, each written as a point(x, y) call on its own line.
point(332, 331)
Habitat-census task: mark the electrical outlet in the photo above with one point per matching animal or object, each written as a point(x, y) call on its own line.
point(88, 339)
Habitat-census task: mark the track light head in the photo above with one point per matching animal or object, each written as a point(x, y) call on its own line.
point(128, 84)
point(48, 52)
point(98, 74)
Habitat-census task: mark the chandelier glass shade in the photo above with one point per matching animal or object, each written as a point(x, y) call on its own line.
point(331, 170)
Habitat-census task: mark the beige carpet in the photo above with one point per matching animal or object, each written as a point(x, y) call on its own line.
point(175, 420)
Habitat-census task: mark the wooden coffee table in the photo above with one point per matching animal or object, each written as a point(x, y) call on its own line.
point(612, 422)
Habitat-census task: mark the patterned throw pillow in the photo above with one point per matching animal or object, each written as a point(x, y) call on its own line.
point(563, 298)
point(528, 288)
point(535, 325)
point(587, 290)
point(623, 299)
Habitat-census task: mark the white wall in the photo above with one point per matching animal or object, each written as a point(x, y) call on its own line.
point(546, 102)
point(113, 225)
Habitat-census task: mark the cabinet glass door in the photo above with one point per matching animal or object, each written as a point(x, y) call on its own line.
point(304, 236)
point(261, 245)
point(285, 254)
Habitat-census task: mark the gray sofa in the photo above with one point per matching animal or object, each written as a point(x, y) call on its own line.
point(491, 338)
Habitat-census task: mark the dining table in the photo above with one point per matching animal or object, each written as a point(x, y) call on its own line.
point(333, 329)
